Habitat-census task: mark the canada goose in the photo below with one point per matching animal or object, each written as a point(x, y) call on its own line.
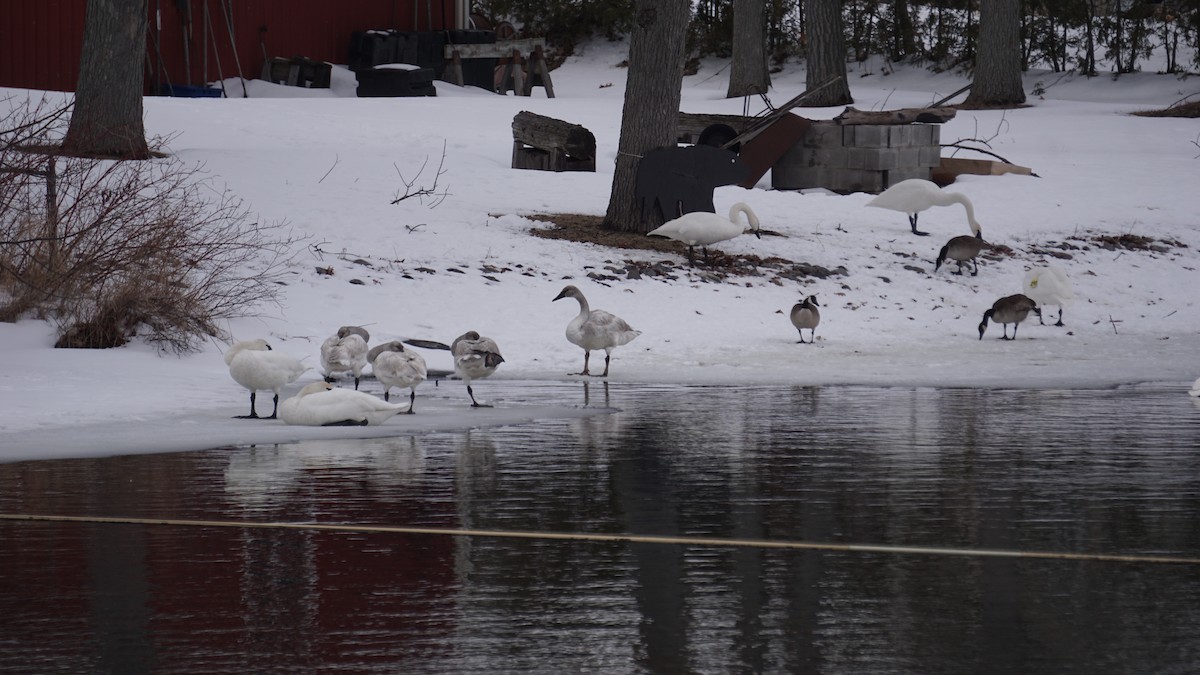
point(320, 404)
point(345, 351)
point(914, 195)
point(806, 315)
point(475, 357)
point(1010, 309)
point(701, 228)
point(962, 249)
point(1048, 286)
point(595, 329)
point(255, 366)
point(395, 366)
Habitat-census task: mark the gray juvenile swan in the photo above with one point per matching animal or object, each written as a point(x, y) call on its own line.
point(475, 357)
point(595, 329)
point(395, 366)
point(1010, 309)
point(254, 365)
point(345, 352)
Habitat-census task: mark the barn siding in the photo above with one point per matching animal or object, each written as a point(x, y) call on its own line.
point(41, 40)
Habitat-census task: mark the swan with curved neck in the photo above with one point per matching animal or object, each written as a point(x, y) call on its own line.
point(915, 195)
point(254, 365)
point(701, 228)
point(475, 357)
point(395, 366)
point(595, 329)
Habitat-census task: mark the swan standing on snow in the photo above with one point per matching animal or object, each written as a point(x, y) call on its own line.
point(395, 366)
point(1011, 309)
point(345, 352)
point(806, 315)
point(701, 228)
point(914, 195)
point(595, 329)
point(1048, 286)
point(255, 366)
point(320, 404)
point(475, 357)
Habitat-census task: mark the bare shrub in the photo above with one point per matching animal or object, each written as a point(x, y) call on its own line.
point(126, 248)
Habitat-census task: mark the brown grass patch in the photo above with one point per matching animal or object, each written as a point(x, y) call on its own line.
point(1190, 110)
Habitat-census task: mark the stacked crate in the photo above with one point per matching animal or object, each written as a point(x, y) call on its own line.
point(858, 157)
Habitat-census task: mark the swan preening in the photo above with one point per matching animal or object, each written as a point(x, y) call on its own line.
point(475, 357)
point(1048, 286)
point(1011, 309)
point(345, 352)
point(395, 366)
point(806, 315)
point(914, 195)
point(701, 228)
point(254, 365)
point(320, 404)
point(595, 329)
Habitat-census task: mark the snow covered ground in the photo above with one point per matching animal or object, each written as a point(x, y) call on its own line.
point(327, 163)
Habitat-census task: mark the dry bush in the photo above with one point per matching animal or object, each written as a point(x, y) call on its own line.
point(126, 248)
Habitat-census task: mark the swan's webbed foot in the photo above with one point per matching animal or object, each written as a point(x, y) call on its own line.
point(346, 423)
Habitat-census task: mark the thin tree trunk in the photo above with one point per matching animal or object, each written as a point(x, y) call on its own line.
point(748, 70)
point(651, 111)
point(107, 119)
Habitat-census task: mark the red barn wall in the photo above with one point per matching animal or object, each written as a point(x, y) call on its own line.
point(40, 42)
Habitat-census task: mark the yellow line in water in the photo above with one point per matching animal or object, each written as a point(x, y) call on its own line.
point(621, 538)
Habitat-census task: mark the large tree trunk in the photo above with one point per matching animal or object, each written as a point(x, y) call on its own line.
point(997, 80)
point(652, 93)
point(826, 53)
point(748, 70)
point(107, 119)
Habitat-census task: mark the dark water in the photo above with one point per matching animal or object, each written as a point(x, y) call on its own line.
point(1098, 471)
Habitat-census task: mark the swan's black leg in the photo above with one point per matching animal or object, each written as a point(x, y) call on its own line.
point(912, 220)
point(253, 414)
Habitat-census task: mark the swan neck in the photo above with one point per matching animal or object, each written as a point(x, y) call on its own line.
point(970, 209)
point(745, 210)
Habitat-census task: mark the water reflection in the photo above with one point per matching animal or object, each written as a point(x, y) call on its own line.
point(1089, 471)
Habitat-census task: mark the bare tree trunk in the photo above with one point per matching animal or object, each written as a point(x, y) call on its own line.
point(651, 112)
point(748, 70)
point(904, 40)
point(107, 119)
point(826, 53)
point(997, 80)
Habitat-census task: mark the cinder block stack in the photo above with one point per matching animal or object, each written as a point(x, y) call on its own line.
point(858, 157)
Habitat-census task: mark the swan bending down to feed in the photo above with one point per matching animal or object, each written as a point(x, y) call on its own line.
point(345, 352)
point(254, 365)
point(1048, 286)
point(320, 404)
point(595, 329)
point(475, 357)
point(914, 195)
point(701, 228)
point(1011, 309)
point(806, 315)
point(395, 366)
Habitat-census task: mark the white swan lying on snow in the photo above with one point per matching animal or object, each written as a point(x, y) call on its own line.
point(345, 352)
point(1048, 286)
point(395, 366)
point(255, 366)
point(914, 195)
point(320, 404)
point(475, 357)
point(701, 228)
point(595, 329)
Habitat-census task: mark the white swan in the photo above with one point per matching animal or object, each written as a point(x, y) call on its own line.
point(255, 366)
point(1048, 286)
point(595, 329)
point(914, 195)
point(1195, 390)
point(395, 366)
point(320, 404)
point(806, 315)
point(475, 357)
point(345, 352)
point(701, 228)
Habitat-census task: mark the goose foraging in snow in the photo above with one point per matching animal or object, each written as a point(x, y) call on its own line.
point(1048, 286)
point(345, 352)
point(595, 329)
point(1010, 309)
point(806, 315)
point(914, 195)
point(475, 357)
point(395, 366)
point(701, 228)
point(962, 249)
point(254, 365)
point(320, 404)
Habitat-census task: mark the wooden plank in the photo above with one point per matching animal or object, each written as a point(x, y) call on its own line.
point(981, 167)
point(497, 50)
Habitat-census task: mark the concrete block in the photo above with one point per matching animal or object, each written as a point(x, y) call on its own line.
point(904, 173)
point(851, 180)
point(881, 159)
point(931, 155)
point(797, 178)
point(823, 134)
point(901, 136)
point(908, 157)
point(869, 135)
point(831, 157)
point(856, 158)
